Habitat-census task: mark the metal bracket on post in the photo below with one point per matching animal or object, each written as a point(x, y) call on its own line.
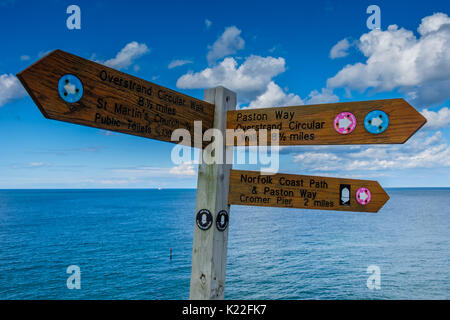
point(209, 253)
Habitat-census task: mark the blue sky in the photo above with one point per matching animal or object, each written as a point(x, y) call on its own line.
point(287, 52)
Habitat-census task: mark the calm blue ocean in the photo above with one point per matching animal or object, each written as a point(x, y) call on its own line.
point(121, 240)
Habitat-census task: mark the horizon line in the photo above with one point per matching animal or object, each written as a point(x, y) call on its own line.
point(170, 188)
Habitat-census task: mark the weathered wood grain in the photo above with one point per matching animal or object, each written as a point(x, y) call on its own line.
point(153, 113)
point(309, 192)
point(209, 253)
point(404, 121)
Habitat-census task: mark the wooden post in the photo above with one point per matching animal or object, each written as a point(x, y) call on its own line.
point(209, 253)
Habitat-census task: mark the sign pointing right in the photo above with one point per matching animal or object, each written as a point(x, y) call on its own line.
point(305, 192)
point(364, 122)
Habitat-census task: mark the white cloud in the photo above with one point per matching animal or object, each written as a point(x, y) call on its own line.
point(397, 59)
point(30, 165)
point(274, 96)
point(108, 133)
point(437, 119)
point(324, 96)
point(253, 82)
point(178, 63)
point(325, 160)
point(143, 176)
point(42, 54)
point(228, 43)
point(340, 49)
point(127, 55)
point(141, 171)
point(421, 151)
point(114, 181)
point(208, 23)
point(184, 169)
point(433, 23)
point(248, 80)
point(36, 164)
point(24, 57)
point(10, 89)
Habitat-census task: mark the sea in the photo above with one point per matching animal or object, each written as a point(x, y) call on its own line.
point(121, 240)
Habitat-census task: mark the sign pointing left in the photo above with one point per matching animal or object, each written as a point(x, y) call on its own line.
point(68, 88)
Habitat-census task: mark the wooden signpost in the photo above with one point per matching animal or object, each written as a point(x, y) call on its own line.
point(68, 88)
point(72, 89)
point(209, 252)
point(335, 123)
point(305, 192)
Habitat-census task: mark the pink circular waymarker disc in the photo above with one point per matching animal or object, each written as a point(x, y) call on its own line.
point(363, 196)
point(345, 122)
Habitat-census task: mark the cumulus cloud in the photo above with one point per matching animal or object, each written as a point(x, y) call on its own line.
point(398, 60)
point(274, 96)
point(437, 119)
point(228, 43)
point(10, 89)
point(340, 49)
point(248, 80)
point(421, 151)
point(433, 23)
point(178, 63)
point(208, 23)
point(324, 96)
point(253, 82)
point(127, 55)
point(252, 79)
point(184, 169)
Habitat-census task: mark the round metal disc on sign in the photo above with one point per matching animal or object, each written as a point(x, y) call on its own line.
point(376, 121)
point(70, 88)
point(204, 219)
point(345, 123)
point(363, 196)
point(222, 220)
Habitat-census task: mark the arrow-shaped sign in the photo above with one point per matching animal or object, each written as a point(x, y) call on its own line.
point(364, 122)
point(306, 192)
point(68, 88)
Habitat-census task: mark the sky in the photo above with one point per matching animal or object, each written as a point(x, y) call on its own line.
point(270, 53)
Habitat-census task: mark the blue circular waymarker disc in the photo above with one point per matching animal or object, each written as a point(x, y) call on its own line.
point(376, 121)
point(70, 88)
